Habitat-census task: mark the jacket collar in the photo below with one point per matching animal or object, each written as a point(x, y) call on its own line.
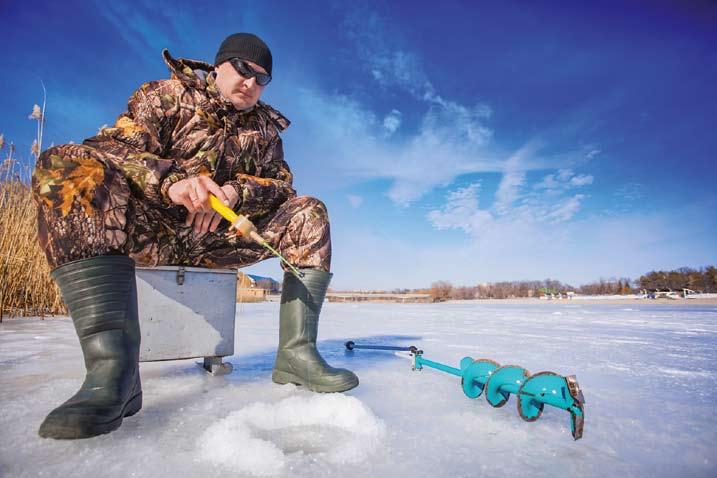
point(200, 75)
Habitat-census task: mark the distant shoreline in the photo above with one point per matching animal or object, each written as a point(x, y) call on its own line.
point(591, 301)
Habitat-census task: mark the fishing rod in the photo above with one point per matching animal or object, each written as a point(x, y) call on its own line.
point(244, 227)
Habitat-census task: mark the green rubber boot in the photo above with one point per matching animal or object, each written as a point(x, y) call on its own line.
point(101, 295)
point(297, 360)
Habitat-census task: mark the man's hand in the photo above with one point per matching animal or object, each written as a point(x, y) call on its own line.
point(193, 193)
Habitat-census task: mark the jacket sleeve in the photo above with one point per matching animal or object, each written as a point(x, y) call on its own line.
point(261, 195)
point(135, 143)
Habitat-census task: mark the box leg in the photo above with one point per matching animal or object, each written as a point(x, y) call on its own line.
point(215, 366)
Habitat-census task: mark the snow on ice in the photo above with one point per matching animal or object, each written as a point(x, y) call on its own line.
point(648, 372)
point(336, 428)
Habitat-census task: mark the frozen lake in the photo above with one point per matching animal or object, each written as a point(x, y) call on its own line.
point(648, 372)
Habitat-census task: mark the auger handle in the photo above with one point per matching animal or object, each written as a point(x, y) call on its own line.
point(351, 345)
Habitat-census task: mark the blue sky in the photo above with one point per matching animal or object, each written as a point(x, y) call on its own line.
point(467, 141)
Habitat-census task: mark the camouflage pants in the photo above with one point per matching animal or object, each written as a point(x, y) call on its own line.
point(87, 208)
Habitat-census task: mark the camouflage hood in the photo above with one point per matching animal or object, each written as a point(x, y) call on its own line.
point(200, 75)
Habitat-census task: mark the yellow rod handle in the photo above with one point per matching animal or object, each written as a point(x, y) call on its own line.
point(222, 209)
point(245, 227)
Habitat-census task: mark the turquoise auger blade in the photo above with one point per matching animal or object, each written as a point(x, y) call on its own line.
point(475, 374)
point(557, 391)
point(504, 381)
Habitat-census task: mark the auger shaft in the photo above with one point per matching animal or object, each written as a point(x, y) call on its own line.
point(420, 362)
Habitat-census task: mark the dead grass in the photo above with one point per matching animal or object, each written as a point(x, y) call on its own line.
point(26, 288)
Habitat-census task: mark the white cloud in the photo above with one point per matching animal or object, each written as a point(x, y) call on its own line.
point(338, 138)
point(354, 200)
point(515, 207)
point(451, 139)
point(563, 180)
point(581, 180)
point(461, 211)
point(390, 64)
point(578, 251)
point(513, 179)
point(391, 122)
point(592, 153)
point(564, 210)
point(630, 192)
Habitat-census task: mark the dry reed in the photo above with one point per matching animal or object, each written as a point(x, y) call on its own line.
point(26, 288)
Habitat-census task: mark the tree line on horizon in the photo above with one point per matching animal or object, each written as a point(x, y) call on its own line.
point(699, 280)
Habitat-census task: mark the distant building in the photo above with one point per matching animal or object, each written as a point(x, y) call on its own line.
point(247, 290)
point(666, 293)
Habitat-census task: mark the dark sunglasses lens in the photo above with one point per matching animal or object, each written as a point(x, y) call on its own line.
point(263, 79)
point(245, 70)
point(241, 67)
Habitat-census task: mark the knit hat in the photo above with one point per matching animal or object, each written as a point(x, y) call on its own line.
point(245, 46)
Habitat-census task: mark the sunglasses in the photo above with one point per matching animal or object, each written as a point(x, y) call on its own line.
point(248, 72)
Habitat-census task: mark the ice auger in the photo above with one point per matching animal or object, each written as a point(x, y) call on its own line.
point(499, 382)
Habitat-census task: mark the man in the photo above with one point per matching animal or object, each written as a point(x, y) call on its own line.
point(137, 193)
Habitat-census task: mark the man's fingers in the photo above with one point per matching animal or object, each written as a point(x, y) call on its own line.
point(190, 218)
point(215, 189)
point(215, 223)
point(198, 222)
point(231, 194)
point(201, 195)
point(186, 202)
point(207, 221)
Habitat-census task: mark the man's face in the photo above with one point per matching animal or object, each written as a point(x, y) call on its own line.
point(242, 92)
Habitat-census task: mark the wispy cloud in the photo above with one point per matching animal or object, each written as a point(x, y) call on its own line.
point(630, 192)
point(580, 251)
point(451, 136)
point(149, 26)
point(592, 153)
point(513, 179)
point(391, 122)
point(354, 200)
point(563, 180)
point(515, 206)
point(339, 137)
point(389, 63)
point(565, 209)
point(461, 211)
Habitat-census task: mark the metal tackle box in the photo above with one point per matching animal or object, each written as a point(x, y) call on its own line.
point(187, 312)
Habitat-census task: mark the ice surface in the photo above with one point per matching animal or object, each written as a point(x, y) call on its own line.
point(648, 373)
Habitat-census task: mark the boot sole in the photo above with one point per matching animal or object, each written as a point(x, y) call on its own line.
point(282, 378)
point(83, 427)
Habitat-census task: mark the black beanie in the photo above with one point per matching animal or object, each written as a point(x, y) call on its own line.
point(245, 46)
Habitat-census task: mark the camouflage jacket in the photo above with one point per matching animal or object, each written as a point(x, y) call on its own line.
point(182, 127)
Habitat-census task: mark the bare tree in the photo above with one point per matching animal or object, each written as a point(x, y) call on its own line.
point(440, 290)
